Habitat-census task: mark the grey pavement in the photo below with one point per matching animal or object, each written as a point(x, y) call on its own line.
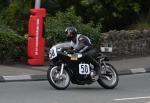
point(132, 65)
point(23, 72)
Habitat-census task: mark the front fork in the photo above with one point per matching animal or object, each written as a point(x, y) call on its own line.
point(60, 74)
point(62, 68)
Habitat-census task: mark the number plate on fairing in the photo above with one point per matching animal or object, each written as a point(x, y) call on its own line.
point(73, 58)
point(52, 53)
point(84, 69)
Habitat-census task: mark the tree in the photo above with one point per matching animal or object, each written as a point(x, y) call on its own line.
point(113, 14)
point(57, 24)
point(3, 4)
point(16, 15)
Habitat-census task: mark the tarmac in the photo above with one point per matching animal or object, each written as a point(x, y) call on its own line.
point(24, 72)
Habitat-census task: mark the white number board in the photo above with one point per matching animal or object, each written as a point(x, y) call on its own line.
point(84, 69)
point(52, 53)
point(106, 47)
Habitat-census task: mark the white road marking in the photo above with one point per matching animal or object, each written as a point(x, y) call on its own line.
point(18, 77)
point(132, 98)
point(138, 70)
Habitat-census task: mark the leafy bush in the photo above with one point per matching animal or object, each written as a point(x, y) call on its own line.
point(56, 25)
point(140, 25)
point(12, 46)
point(16, 15)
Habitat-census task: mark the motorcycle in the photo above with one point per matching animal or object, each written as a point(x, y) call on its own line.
point(72, 67)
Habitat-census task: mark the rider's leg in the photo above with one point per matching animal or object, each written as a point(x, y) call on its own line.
point(90, 56)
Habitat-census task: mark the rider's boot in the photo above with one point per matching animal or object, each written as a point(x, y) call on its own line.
point(95, 74)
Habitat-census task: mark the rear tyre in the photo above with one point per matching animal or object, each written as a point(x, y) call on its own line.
point(109, 77)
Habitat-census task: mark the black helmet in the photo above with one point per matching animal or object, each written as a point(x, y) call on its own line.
point(71, 33)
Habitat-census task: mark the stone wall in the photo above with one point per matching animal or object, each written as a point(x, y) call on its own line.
point(128, 43)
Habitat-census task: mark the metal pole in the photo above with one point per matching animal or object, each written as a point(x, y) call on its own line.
point(37, 4)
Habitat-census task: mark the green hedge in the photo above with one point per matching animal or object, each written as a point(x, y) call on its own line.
point(55, 27)
point(12, 46)
point(16, 14)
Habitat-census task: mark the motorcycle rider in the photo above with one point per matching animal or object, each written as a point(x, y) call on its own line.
point(82, 44)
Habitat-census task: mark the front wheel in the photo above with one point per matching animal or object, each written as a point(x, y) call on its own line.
point(58, 81)
point(109, 77)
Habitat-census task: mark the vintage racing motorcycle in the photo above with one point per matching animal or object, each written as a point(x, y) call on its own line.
point(68, 67)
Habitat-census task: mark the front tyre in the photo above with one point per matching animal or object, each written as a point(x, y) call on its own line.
point(58, 81)
point(109, 77)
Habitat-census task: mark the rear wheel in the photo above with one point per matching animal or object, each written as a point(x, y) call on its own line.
point(58, 81)
point(109, 77)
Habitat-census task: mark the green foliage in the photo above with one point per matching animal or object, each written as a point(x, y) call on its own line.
point(16, 15)
point(3, 4)
point(140, 25)
point(57, 24)
point(112, 14)
point(12, 46)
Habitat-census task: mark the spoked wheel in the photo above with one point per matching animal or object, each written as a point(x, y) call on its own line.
point(109, 77)
point(56, 80)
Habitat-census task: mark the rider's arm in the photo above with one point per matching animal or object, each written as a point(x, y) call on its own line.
point(84, 44)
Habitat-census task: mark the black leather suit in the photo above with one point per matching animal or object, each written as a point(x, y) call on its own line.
point(82, 44)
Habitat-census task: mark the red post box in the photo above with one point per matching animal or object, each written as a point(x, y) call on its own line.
point(36, 42)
